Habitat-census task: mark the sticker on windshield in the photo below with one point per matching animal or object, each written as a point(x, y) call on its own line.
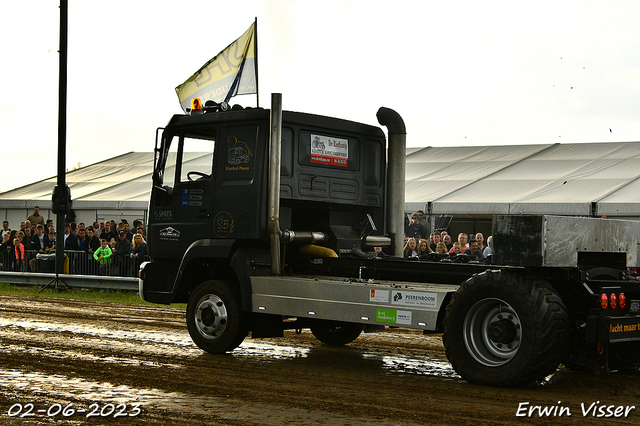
point(329, 151)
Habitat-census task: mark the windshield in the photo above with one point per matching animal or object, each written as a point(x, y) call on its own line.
point(185, 157)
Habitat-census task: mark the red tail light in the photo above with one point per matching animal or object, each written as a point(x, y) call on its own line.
point(604, 301)
point(622, 300)
point(613, 301)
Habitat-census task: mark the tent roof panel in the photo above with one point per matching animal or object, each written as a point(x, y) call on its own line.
point(548, 178)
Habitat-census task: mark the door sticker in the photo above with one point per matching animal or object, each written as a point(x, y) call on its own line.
point(392, 316)
point(238, 153)
point(169, 234)
point(223, 224)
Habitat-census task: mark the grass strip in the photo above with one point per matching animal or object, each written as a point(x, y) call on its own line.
point(110, 296)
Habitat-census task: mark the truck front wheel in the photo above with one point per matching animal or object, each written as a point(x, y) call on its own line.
point(215, 321)
point(502, 329)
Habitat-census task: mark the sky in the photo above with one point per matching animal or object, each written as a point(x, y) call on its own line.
point(460, 73)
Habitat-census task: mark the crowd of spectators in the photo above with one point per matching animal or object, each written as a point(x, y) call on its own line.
point(418, 242)
point(107, 248)
point(104, 248)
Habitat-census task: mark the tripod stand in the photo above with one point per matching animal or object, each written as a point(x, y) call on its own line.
point(57, 283)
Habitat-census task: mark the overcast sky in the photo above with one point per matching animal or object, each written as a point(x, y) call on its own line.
point(459, 72)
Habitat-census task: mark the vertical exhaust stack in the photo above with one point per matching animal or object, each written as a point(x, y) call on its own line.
point(395, 175)
point(275, 153)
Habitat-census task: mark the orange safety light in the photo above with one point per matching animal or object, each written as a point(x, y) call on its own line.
point(196, 105)
point(622, 300)
point(613, 301)
point(604, 301)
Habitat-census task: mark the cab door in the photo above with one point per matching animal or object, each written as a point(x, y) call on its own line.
point(188, 216)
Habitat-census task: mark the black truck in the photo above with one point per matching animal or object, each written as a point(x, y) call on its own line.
point(263, 220)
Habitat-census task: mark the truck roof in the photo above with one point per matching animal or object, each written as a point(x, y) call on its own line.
point(250, 114)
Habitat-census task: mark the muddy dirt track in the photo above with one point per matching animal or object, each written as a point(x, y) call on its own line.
point(115, 364)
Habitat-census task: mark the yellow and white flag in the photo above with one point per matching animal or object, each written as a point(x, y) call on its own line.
point(231, 72)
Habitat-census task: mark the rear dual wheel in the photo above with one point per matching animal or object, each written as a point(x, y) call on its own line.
point(504, 329)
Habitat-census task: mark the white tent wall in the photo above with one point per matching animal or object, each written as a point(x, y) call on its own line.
point(584, 179)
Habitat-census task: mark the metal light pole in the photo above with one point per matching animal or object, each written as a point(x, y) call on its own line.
point(61, 197)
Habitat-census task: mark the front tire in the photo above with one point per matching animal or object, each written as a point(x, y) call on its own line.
point(336, 333)
point(502, 329)
point(215, 320)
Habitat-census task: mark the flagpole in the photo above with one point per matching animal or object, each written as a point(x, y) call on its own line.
point(256, 63)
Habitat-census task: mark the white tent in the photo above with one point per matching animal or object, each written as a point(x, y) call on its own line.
point(586, 179)
point(589, 179)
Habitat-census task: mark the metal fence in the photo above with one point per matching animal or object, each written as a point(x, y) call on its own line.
point(76, 262)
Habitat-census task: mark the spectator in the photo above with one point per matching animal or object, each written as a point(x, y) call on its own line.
point(48, 248)
point(22, 226)
point(126, 229)
point(455, 248)
point(138, 252)
point(441, 248)
point(38, 240)
point(107, 233)
point(415, 228)
point(19, 255)
point(480, 240)
point(378, 250)
point(463, 239)
point(447, 241)
point(410, 249)
point(94, 241)
point(5, 228)
point(38, 244)
point(81, 260)
point(50, 245)
point(74, 229)
point(69, 242)
point(423, 221)
point(488, 250)
point(103, 256)
point(473, 250)
point(435, 240)
point(27, 240)
point(82, 242)
point(121, 252)
point(423, 247)
point(5, 252)
point(36, 218)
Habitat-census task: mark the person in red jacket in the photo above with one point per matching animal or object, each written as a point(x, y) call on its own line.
point(19, 253)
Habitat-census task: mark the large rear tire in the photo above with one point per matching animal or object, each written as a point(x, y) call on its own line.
point(215, 320)
point(502, 329)
point(336, 333)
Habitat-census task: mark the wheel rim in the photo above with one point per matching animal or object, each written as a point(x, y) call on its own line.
point(492, 332)
point(211, 317)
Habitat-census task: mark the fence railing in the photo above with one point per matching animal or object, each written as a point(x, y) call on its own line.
point(76, 262)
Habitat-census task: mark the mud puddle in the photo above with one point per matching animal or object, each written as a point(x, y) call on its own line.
point(180, 344)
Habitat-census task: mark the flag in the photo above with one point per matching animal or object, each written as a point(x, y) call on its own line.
point(231, 72)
